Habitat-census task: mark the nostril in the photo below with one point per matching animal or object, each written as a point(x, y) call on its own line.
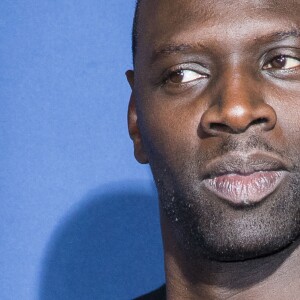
point(217, 120)
point(219, 127)
point(259, 121)
point(225, 128)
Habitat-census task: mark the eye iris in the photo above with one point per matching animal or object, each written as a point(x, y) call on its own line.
point(177, 77)
point(279, 62)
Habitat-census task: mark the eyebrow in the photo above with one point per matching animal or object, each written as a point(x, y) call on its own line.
point(280, 35)
point(170, 49)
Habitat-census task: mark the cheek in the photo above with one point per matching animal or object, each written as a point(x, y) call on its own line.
point(170, 131)
point(288, 122)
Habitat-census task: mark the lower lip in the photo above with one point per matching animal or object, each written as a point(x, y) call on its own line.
point(245, 189)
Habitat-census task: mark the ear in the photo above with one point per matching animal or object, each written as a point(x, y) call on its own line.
point(133, 127)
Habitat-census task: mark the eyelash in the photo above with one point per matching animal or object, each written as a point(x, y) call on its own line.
point(281, 56)
point(166, 77)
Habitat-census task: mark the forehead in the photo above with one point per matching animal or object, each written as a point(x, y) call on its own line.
point(212, 9)
point(165, 20)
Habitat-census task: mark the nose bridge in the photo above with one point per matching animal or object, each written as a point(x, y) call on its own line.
point(238, 104)
point(233, 86)
point(235, 101)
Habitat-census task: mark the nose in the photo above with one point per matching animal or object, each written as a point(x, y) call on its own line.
point(237, 107)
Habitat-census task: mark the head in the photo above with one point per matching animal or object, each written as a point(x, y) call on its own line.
point(215, 111)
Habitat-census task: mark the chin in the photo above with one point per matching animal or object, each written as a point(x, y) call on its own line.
point(204, 225)
point(232, 245)
point(230, 252)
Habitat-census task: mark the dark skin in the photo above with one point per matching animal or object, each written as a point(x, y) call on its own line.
point(219, 81)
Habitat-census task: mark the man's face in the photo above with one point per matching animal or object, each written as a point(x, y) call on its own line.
point(217, 101)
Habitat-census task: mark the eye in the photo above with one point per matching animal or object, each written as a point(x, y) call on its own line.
point(184, 76)
point(282, 62)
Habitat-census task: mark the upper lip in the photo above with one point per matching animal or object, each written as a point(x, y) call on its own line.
point(244, 164)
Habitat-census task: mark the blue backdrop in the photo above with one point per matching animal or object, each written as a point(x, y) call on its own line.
point(79, 216)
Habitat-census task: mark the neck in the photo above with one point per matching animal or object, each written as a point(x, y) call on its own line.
point(271, 277)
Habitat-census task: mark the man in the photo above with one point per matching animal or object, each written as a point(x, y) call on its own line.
point(215, 110)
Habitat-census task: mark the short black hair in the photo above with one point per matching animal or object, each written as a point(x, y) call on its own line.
point(135, 29)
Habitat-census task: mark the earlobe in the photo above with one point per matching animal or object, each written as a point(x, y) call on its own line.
point(133, 126)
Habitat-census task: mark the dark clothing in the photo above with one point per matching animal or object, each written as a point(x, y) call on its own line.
point(159, 294)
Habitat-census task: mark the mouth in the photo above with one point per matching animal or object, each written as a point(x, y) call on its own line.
point(244, 179)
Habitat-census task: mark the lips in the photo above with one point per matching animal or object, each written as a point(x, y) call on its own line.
point(244, 179)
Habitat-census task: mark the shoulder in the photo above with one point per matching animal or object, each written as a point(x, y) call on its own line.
point(159, 294)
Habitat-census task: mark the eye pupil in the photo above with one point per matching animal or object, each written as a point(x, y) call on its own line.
point(177, 77)
point(279, 62)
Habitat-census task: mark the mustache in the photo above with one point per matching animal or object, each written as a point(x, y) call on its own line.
point(253, 142)
point(254, 153)
point(257, 143)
